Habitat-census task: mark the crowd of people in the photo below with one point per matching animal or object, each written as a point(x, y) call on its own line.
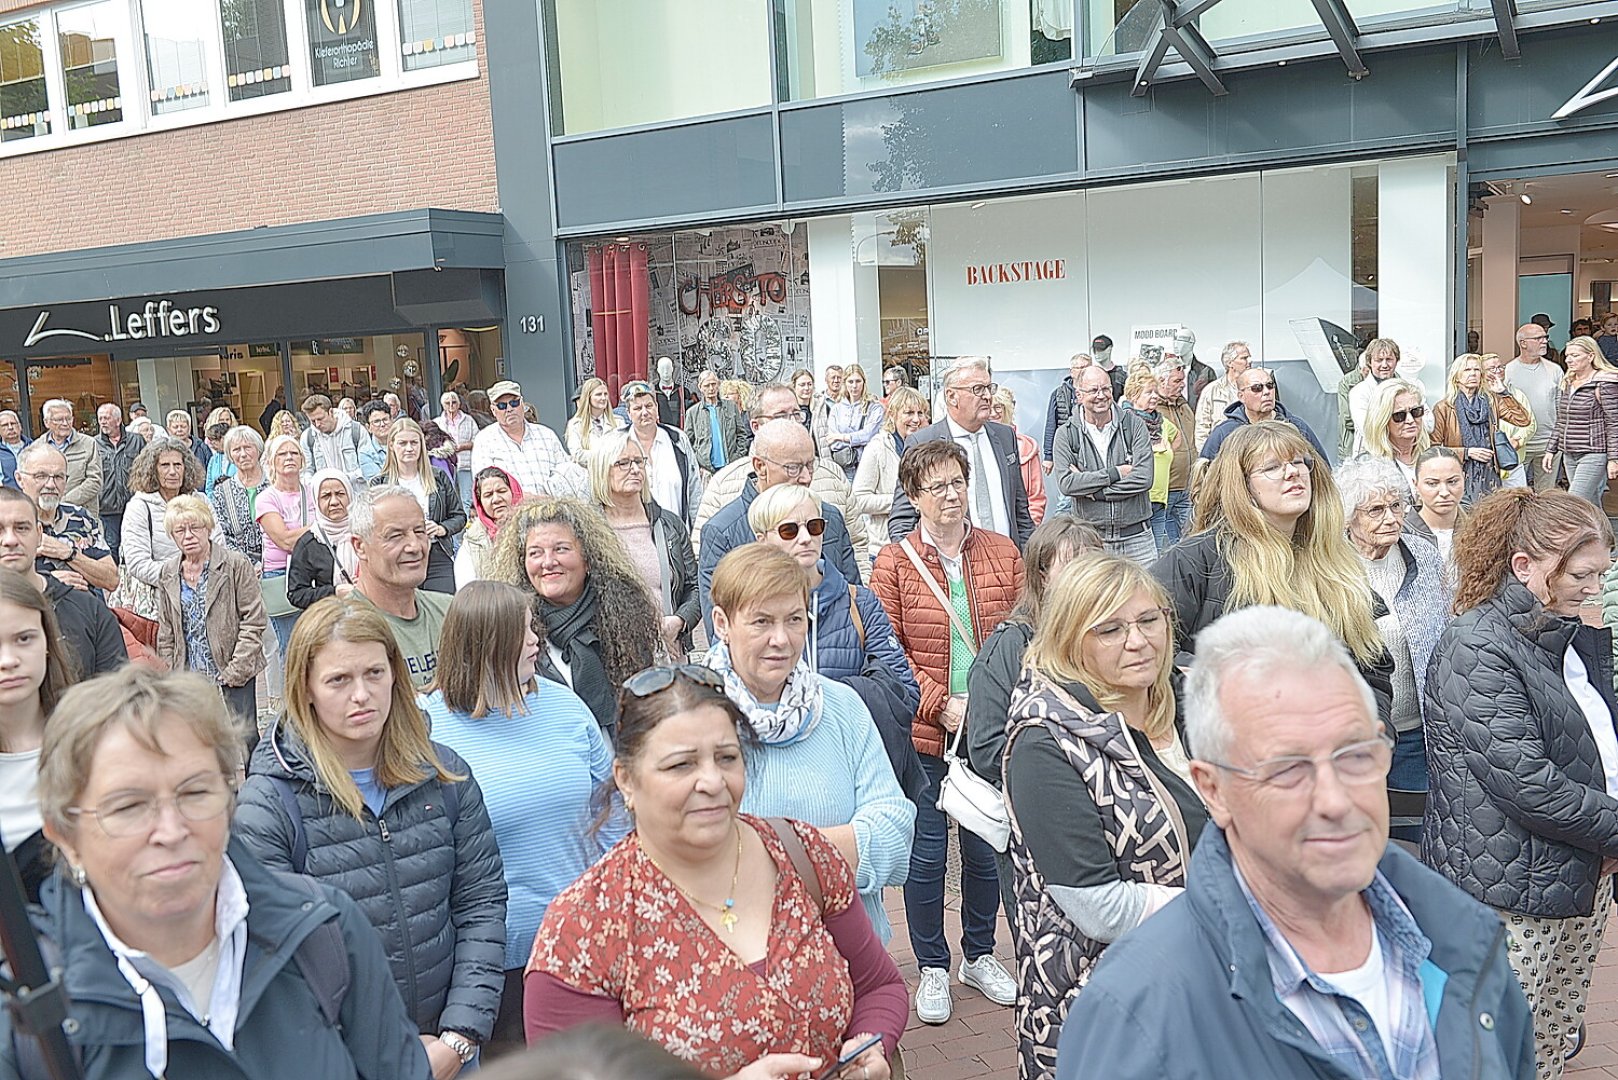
point(411, 741)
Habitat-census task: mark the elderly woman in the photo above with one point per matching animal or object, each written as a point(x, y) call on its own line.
point(792, 976)
point(325, 561)
point(1094, 764)
point(878, 475)
point(165, 469)
point(1003, 410)
point(349, 789)
point(1407, 574)
point(434, 488)
point(183, 955)
point(853, 420)
point(601, 625)
point(1523, 807)
point(593, 418)
point(945, 587)
point(1468, 420)
point(495, 493)
point(1586, 433)
point(655, 539)
point(210, 612)
point(852, 640)
point(284, 509)
point(1394, 429)
point(179, 426)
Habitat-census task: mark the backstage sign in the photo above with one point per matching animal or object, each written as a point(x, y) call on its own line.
point(1016, 273)
point(157, 319)
point(1588, 95)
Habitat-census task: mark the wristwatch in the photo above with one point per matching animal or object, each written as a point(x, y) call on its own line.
point(464, 1048)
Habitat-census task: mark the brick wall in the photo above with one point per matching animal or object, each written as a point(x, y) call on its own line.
point(428, 147)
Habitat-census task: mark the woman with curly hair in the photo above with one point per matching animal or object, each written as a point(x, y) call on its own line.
point(165, 469)
point(600, 623)
point(284, 423)
point(1269, 530)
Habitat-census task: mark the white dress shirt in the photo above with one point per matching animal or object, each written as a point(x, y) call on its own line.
point(991, 465)
point(662, 470)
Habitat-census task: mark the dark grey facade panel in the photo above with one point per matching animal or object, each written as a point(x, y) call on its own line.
point(984, 133)
point(1517, 96)
point(1583, 150)
point(710, 167)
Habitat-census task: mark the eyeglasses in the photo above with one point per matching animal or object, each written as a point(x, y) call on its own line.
point(1095, 391)
point(630, 463)
point(1398, 416)
point(508, 403)
point(1357, 763)
point(1382, 510)
point(980, 390)
point(890, 381)
point(1279, 469)
point(944, 487)
point(132, 814)
point(1537, 337)
point(1259, 387)
point(1115, 633)
point(44, 477)
point(793, 469)
point(654, 680)
point(788, 530)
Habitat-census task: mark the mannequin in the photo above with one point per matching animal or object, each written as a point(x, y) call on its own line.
point(672, 398)
point(1197, 374)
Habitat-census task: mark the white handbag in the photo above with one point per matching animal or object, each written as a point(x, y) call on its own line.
point(973, 802)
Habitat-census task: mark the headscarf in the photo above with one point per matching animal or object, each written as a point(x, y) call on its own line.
point(489, 524)
point(782, 724)
point(335, 534)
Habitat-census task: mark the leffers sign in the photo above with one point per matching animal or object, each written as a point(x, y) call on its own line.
point(158, 319)
point(1016, 273)
point(1588, 95)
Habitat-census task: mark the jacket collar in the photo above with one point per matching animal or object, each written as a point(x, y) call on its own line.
point(1238, 412)
point(1529, 618)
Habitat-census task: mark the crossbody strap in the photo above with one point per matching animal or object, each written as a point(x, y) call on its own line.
point(799, 856)
point(938, 594)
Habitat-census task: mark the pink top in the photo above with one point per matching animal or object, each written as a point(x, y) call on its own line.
point(292, 506)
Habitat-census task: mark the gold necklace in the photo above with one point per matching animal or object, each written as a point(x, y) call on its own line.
point(727, 910)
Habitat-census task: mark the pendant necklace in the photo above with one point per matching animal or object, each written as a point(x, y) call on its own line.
point(727, 910)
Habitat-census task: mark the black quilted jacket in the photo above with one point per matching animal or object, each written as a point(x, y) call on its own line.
point(1518, 813)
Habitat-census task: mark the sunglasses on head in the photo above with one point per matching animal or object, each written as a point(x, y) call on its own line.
point(654, 680)
point(788, 530)
point(1399, 415)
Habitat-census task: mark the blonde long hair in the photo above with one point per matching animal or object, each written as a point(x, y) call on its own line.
point(1316, 571)
point(1380, 414)
point(1600, 359)
point(1088, 591)
point(582, 415)
point(424, 464)
point(867, 397)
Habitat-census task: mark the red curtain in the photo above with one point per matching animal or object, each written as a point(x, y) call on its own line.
point(620, 313)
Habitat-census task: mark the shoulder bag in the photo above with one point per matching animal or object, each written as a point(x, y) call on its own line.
point(274, 589)
point(848, 455)
point(972, 801)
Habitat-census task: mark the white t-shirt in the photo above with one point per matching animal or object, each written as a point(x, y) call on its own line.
point(19, 801)
point(1596, 714)
point(1538, 382)
point(1368, 985)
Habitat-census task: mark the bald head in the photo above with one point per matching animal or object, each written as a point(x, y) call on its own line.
point(1094, 388)
point(1532, 342)
point(783, 453)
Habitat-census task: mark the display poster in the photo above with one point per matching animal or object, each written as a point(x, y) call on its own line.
point(1147, 343)
point(342, 40)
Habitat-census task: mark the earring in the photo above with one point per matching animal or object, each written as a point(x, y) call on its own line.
point(629, 804)
point(78, 875)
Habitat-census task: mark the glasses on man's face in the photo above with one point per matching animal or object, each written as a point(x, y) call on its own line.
point(793, 469)
point(1280, 468)
point(508, 403)
point(654, 680)
point(945, 487)
point(1399, 416)
point(1095, 391)
point(1115, 632)
point(630, 463)
point(981, 390)
point(44, 477)
point(788, 530)
point(1357, 763)
point(1259, 387)
point(133, 813)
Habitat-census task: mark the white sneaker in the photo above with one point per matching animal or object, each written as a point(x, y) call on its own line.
point(989, 976)
point(933, 1004)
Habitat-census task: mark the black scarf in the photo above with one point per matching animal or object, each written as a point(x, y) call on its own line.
point(572, 630)
point(1476, 420)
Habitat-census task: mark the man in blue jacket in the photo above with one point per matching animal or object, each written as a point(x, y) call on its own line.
point(1305, 944)
point(1255, 400)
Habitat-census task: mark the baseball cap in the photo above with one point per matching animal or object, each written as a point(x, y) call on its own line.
point(504, 388)
point(634, 390)
point(1543, 320)
point(1102, 341)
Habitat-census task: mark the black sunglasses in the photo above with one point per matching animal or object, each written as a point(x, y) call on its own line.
point(1260, 387)
point(1418, 412)
point(503, 404)
point(788, 530)
point(654, 680)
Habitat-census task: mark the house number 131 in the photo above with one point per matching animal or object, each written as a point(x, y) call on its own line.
point(531, 324)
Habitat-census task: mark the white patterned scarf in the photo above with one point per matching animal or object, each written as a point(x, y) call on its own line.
point(783, 724)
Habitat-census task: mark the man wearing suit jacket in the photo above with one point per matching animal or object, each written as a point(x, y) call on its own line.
point(998, 501)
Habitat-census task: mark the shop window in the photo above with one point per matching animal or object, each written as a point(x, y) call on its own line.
point(89, 48)
point(176, 54)
point(342, 41)
point(436, 32)
point(24, 110)
point(835, 47)
point(362, 368)
point(618, 63)
point(471, 358)
point(258, 61)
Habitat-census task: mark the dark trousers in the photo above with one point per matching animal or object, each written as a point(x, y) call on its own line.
point(508, 1036)
point(924, 890)
point(242, 701)
point(112, 527)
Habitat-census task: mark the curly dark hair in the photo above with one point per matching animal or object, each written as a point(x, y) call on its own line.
point(626, 619)
point(143, 472)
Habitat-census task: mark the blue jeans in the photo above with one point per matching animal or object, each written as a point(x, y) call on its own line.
point(1409, 769)
point(924, 889)
point(1180, 514)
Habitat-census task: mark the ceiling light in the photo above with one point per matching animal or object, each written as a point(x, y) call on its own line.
point(977, 206)
point(625, 239)
point(1567, 211)
point(1527, 199)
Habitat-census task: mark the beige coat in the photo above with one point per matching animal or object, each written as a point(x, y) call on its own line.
point(236, 618)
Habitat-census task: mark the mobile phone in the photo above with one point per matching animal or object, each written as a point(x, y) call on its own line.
point(836, 1068)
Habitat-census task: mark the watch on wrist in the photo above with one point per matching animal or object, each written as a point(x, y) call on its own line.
point(464, 1048)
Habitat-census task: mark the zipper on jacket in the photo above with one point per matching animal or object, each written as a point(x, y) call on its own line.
point(412, 995)
point(1472, 1018)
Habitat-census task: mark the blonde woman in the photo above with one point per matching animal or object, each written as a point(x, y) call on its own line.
point(1586, 432)
point(854, 420)
point(285, 423)
point(1094, 763)
point(593, 417)
point(1003, 410)
point(878, 475)
point(1395, 426)
point(406, 466)
point(1269, 530)
point(1468, 419)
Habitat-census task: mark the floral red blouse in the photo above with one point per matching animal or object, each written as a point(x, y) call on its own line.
point(623, 932)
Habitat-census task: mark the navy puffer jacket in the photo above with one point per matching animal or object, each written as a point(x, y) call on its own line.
point(436, 895)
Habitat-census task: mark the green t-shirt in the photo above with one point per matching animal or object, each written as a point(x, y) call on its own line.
point(418, 637)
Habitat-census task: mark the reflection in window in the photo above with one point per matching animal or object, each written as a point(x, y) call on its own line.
point(90, 65)
point(175, 53)
point(23, 108)
point(434, 32)
point(342, 40)
point(1125, 27)
point(257, 60)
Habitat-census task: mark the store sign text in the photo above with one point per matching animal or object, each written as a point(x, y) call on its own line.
point(1584, 98)
point(1015, 273)
point(158, 319)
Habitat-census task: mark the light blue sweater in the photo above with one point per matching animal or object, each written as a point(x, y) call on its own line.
point(538, 770)
point(839, 775)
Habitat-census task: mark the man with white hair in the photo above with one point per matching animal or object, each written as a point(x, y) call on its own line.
point(11, 442)
point(530, 452)
point(389, 534)
point(1305, 944)
point(998, 501)
point(119, 449)
point(1217, 396)
point(80, 451)
point(73, 548)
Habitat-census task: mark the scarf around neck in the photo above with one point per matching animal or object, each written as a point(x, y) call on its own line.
point(489, 524)
point(336, 534)
point(572, 631)
point(783, 724)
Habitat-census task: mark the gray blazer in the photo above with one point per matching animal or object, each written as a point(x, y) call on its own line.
point(902, 521)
